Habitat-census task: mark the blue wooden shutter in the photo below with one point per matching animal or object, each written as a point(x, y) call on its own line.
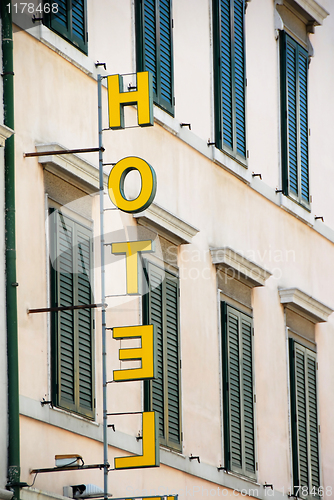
point(304, 417)
point(292, 116)
point(150, 44)
point(154, 47)
point(303, 138)
point(70, 21)
point(226, 73)
point(165, 53)
point(239, 77)
point(230, 81)
point(294, 69)
point(238, 392)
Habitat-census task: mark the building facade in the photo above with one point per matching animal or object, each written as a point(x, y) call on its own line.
point(239, 281)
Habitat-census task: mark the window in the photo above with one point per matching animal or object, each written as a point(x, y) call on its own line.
point(229, 75)
point(295, 170)
point(304, 420)
point(161, 308)
point(72, 330)
point(238, 392)
point(155, 48)
point(70, 21)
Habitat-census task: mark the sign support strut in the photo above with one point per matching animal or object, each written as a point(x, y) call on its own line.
point(103, 293)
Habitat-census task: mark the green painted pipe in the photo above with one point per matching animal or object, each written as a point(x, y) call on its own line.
point(11, 297)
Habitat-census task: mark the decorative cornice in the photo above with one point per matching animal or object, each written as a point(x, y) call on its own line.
point(167, 224)
point(242, 268)
point(311, 10)
point(5, 132)
point(71, 168)
point(303, 304)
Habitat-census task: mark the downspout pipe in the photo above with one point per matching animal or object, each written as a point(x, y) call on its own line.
point(11, 284)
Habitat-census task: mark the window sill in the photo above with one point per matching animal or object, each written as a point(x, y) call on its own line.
point(296, 209)
point(64, 49)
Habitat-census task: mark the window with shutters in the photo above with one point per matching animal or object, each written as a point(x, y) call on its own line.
point(304, 420)
point(238, 391)
point(71, 330)
point(229, 76)
point(295, 168)
point(161, 308)
point(69, 20)
point(155, 48)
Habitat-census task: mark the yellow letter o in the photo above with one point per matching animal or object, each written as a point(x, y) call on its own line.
point(116, 184)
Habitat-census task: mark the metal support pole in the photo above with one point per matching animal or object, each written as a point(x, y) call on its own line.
point(104, 353)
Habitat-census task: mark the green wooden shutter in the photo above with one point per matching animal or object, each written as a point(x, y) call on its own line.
point(70, 21)
point(72, 331)
point(304, 417)
point(173, 359)
point(66, 318)
point(238, 392)
point(155, 48)
point(84, 318)
point(294, 64)
point(163, 393)
point(230, 81)
point(156, 317)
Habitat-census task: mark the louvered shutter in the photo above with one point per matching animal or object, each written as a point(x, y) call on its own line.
point(156, 318)
point(84, 318)
point(238, 391)
point(154, 47)
point(150, 36)
point(294, 63)
point(163, 393)
point(66, 318)
point(303, 124)
point(229, 49)
point(72, 330)
point(70, 21)
point(226, 73)
point(165, 53)
point(239, 77)
point(304, 418)
point(172, 361)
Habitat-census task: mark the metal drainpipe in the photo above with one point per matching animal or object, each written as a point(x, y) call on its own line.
point(11, 298)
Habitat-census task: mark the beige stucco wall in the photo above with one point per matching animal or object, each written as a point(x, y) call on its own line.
point(56, 102)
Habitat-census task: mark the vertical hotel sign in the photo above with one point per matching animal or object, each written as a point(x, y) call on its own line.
point(146, 353)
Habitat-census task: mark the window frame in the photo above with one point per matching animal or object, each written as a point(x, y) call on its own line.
point(307, 353)
point(56, 397)
point(225, 362)
point(148, 398)
point(67, 33)
point(218, 92)
point(285, 39)
point(140, 52)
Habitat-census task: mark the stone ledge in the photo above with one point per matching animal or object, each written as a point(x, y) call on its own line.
point(246, 270)
point(166, 224)
point(301, 303)
point(5, 132)
point(311, 10)
point(71, 168)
